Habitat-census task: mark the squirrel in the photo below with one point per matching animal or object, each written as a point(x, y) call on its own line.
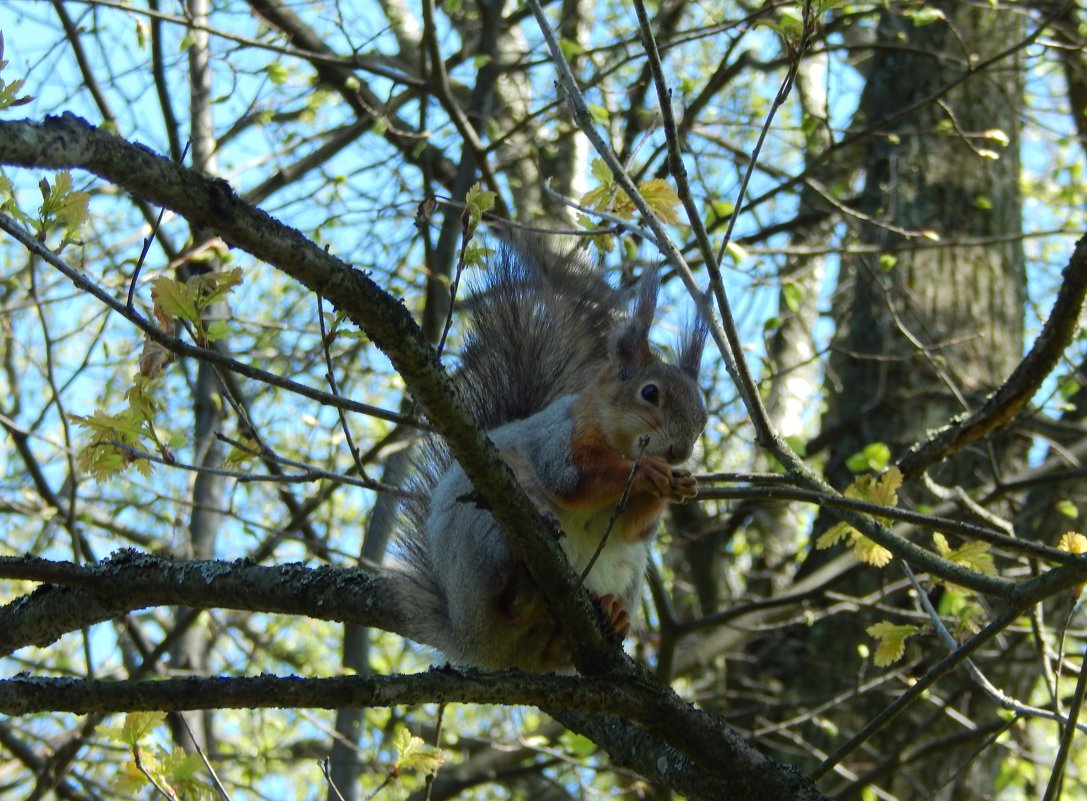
point(565, 383)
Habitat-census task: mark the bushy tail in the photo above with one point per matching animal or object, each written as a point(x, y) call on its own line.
point(539, 328)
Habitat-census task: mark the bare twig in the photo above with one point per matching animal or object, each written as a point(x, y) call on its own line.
point(1056, 777)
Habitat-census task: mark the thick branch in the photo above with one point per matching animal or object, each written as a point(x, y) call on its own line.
point(729, 774)
point(70, 142)
point(81, 595)
point(1004, 404)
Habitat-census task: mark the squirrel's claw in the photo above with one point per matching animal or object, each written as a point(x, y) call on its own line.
point(684, 485)
point(613, 616)
point(554, 524)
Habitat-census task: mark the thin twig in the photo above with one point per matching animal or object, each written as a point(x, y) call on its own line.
point(9, 226)
point(916, 690)
point(149, 239)
point(994, 692)
point(919, 519)
point(215, 781)
point(643, 443)
point(330, 374)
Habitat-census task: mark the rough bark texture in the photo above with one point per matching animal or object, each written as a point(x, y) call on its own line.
point(926, 331)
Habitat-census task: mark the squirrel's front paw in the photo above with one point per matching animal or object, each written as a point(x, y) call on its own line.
point(684, 484)
point(654, 476)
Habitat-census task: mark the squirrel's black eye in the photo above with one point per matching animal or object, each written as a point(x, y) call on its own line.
point(651, 393)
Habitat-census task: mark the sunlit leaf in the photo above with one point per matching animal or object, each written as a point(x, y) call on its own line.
point(892, 641)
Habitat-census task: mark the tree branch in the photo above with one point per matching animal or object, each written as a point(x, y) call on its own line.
point(1004, 404)
point(725, 768)
point(81, 595)
point(70, 142)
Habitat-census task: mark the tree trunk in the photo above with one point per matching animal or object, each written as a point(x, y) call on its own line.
point(926, 327)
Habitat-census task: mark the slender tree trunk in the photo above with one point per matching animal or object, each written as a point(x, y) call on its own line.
point(191, 651)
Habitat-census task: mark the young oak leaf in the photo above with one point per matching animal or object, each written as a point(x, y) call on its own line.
point(974, 555)
point(106, 454)
point(135, 727)
point(477, 203)
point(9, 93)
point(882, 490)
point(412, 753)
point(207, 288)
point(132, 780)
point(183, 773)
point(662, 198)
point(61, 204)
point(871, 553)
point(175, 298)
point(833, 536)
point(892, 641)
point(608, 196)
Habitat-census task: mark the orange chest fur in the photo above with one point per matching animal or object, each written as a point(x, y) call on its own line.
point(603, 477)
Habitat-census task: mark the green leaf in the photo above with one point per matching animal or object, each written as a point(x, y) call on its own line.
point(277, 73)
point(137, 725)
point(600, 171)
point(882, 490)
point(478, 202)
point(793, 295)
point(175, 298)
point(874, 456)
point(832, 537)
point(183, 773)
point(570, 48)
point(662, 198)
point(737, 252)
point(413, 753)
point(892, 641)
point(598, 113)
point(974, 554)
point(578, 745)
point(925, 15)
point(219, 329)
point(9, 92)
point(61, 204)
point(1067, 508)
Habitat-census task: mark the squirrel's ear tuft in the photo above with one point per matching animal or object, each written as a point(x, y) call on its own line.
point(631, 342)
point(694, 338)
point(646, 304)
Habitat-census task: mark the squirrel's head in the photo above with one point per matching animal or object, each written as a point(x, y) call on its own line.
point(645, 397)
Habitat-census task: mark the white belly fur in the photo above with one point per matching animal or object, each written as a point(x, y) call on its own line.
point(619, 567)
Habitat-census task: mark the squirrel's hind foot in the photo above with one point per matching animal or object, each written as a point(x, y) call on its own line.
point(614, 617)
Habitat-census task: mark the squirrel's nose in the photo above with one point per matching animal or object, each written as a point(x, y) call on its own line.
point(679, 452)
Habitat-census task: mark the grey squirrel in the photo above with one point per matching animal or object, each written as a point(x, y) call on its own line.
point(563, 379)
